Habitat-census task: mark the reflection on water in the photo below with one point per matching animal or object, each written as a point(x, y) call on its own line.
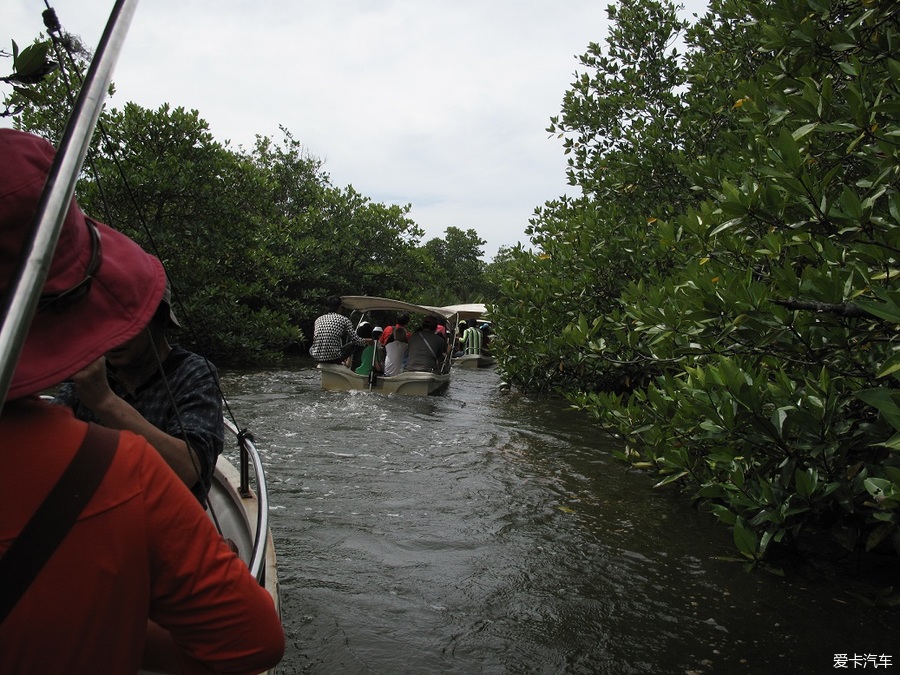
point(483, 532)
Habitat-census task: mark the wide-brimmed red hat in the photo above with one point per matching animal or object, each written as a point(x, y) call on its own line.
point(102, 288)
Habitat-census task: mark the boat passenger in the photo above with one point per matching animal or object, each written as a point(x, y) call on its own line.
point(426, 348)
point(459, 347)
point(376, 336)
point(362, 358)
point(164, 392)
point(402, 321)
point(137, 576)
point(354, 351)
point(395, 352)
point(333, 331)
point(472, 339)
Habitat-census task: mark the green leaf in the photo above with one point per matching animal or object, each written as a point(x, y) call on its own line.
point(882, 310)
point(850, 204)
point(789, 150)
point(778, 419)
point(886, 401)
point(805, 482)
point(879, 488)
point(879, 534)
point(723, 514)
point(31, 59)
point(671, 479)
point(891, 365)
point(745, 538)
point(805, 130)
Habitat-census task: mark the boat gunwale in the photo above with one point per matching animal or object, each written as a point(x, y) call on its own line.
point(393, 384)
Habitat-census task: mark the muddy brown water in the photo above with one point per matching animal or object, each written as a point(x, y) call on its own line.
point(486, 532)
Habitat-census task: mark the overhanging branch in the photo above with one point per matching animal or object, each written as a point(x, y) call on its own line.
point(847, 309)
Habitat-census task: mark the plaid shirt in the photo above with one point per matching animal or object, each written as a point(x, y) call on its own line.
point(330, 332)
point(195, 401)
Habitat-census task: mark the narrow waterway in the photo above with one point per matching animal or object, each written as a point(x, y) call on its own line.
point(486, 532)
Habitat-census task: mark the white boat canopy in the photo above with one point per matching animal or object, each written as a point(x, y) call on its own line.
point(368, 303)
point(468, 311)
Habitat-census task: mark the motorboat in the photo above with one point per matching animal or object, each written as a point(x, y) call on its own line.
point(469, 312)
point(338, 377)
point(473, 361)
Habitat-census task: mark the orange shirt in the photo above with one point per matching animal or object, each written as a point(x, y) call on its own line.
point(143, 548)
point(385, 334)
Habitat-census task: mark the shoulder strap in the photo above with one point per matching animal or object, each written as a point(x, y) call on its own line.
point(37, 541)
point(425, 340)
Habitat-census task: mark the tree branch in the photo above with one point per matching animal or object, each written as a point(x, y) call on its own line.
point(847, 309)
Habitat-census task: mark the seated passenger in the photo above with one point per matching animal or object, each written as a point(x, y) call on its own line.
point(426, 348)
point(395, 352)
point(364, 331)
point(331, 332)
point(402, 321)
point(459, 347)
point(472, 339)
point(371, 357)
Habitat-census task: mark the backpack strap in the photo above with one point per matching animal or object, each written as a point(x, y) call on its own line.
point(41, 535)
point(427, 344)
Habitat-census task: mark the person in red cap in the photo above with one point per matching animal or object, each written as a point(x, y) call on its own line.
point(141, 577)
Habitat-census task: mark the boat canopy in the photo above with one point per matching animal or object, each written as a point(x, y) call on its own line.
point(368, 303)
point(468, 311)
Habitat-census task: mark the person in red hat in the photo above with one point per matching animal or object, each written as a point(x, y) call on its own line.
point(140, 577)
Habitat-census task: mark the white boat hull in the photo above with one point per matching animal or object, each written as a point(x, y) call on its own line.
point(237, 518)
point(473, 361)
point(336, 377)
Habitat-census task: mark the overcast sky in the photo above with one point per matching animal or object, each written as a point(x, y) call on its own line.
point(441, 105)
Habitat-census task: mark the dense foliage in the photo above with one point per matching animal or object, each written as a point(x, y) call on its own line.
point(724, 293)
point(457, 274)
